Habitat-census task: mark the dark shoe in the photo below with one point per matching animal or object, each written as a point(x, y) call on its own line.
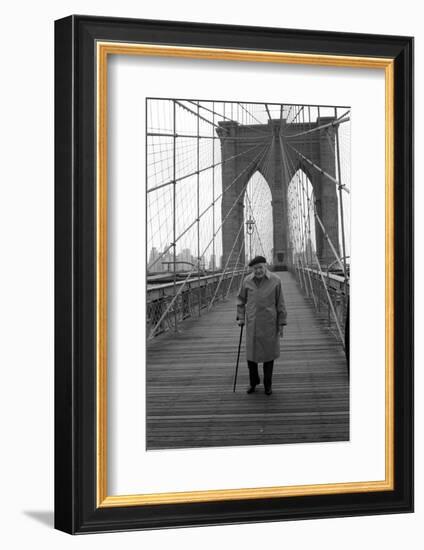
point(268, 391)
point(251, 389)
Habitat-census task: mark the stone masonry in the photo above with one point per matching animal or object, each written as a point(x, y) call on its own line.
point(243, 157)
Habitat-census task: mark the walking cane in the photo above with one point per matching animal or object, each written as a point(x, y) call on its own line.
point(238, 357)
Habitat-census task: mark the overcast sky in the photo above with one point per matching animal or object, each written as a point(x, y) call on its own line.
point(160, 156)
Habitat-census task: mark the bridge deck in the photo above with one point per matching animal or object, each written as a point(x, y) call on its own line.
point(190, 402)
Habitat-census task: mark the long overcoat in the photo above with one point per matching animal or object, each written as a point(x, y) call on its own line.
point(263, 309)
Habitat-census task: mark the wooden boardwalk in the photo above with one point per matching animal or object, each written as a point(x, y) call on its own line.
point(190, 401)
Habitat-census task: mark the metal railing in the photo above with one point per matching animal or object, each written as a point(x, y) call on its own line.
point(322, 288)
point(199, 293)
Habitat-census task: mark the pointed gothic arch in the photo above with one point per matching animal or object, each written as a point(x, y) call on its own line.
point(246, 149)
point(257, 206)
point(300, 197)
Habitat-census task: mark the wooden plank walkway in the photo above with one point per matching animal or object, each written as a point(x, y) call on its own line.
point(190, 402)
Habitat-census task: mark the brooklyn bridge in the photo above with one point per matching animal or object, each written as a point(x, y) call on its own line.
point(227, 181)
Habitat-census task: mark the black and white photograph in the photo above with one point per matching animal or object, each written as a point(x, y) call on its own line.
point(248, 273)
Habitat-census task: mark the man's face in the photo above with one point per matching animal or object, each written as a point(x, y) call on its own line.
point(259, 270)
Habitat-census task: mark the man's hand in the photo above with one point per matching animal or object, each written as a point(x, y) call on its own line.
point(240, 322)
point(280, 331)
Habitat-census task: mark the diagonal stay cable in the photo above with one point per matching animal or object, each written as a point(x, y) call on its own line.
point(266, 169)
point(340, 120)
point(325, 233)
point(320, 170)
point(195, 114)
point(184, 282)
point(330, 303)
point(249, 113)
point(245, 269)
point(233, 247)
point(253, 161)
point(191, 174)
point(305, 227)
point(297, 217)
point(226, 265)
point(226, 118)
point(206, 210)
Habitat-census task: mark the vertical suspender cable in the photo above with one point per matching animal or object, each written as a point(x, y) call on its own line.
point(198, 210)
point(174, 231)
point(213, 191)
point(339, 177)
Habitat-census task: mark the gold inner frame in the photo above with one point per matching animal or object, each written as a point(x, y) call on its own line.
point(103, 50)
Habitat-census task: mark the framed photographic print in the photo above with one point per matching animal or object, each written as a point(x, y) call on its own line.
point(233, 274)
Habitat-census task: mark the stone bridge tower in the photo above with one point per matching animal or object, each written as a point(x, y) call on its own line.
point(243, 153)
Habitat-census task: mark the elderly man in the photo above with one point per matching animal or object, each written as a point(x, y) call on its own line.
point(260, 304)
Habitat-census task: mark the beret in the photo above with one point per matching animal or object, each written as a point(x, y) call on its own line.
point(257, 260)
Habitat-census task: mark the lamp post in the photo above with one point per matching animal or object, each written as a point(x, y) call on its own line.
point(249, 230)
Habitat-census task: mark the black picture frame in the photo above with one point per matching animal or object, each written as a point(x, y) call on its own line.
point(76, 509)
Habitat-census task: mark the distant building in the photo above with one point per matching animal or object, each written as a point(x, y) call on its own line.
point(184, 255)
point(212, 262)
point(195, 260)
point(153, 265)
point(167, 257)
